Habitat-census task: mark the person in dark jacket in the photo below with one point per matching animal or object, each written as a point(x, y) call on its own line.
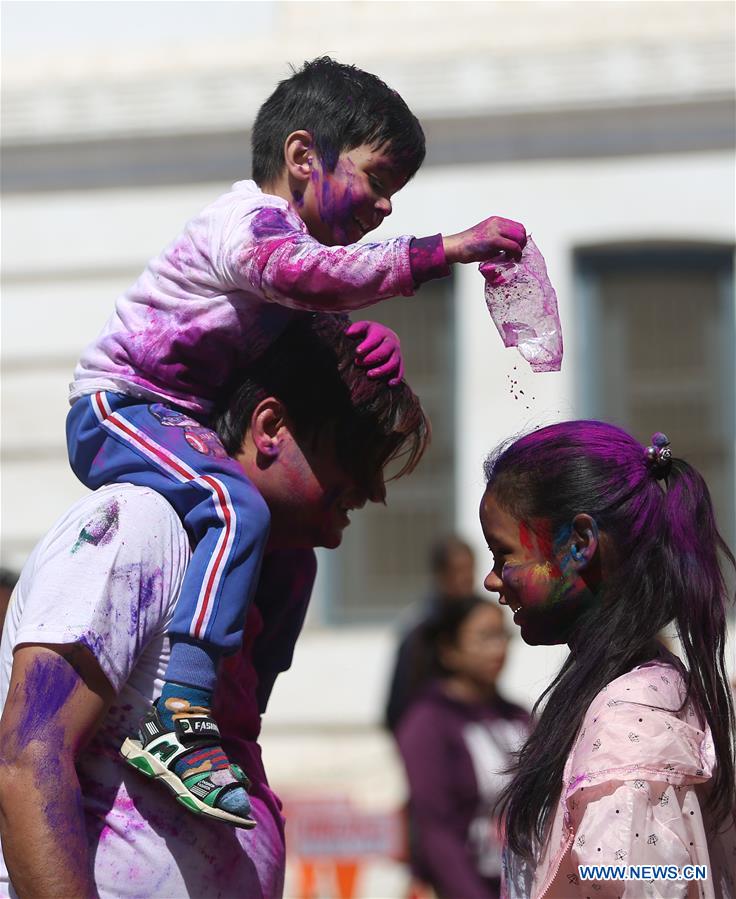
point(452, 565)
point(456, 741)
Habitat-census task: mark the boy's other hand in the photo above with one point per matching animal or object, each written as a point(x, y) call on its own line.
point(491, 239)
point(381, 348)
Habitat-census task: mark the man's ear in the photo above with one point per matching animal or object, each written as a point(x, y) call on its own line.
point(267, 425)
point(299, 155)
point(584, 540)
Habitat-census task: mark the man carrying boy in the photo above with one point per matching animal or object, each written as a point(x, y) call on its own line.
point(85, 645)
point(331, 147)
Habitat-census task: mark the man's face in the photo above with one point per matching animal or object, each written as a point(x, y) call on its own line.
point(341, 207)
point(315, 495)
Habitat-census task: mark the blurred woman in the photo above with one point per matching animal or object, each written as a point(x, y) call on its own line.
point(456, 741)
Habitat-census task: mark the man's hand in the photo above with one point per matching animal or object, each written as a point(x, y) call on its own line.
point(486, 240)
point(56, 700)
point(381, 348)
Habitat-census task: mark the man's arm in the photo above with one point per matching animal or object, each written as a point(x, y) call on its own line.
point(56, 700)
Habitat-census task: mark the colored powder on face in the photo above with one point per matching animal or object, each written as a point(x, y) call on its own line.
point(49, 683)
point(537, 584)
point(525, 537)
point(101, 528)
point(544, 537)
point(550, 547)
point(531, 582)
point(336, 199)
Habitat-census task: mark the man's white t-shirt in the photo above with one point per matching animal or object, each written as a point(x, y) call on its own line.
point(107, 575)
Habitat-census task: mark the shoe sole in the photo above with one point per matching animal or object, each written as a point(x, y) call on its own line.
point(136, 756)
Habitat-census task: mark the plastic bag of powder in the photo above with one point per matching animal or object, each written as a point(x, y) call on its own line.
point(523, 306)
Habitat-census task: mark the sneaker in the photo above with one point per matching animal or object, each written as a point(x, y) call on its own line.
point(189, 760)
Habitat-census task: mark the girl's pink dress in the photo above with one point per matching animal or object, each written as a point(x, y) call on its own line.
point(634, 792)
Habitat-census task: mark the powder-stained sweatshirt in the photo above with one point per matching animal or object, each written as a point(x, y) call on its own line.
point(226, 287)
point(454, 753)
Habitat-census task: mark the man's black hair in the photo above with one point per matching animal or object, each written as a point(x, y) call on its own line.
point(311, 369)
point(342, 107)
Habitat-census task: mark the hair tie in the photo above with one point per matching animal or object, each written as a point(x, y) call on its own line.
point(659, 455)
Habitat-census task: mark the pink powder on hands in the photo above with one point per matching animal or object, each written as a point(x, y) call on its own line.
point(523, 306)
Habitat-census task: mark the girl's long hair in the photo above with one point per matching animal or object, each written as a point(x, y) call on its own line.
point(667, 553)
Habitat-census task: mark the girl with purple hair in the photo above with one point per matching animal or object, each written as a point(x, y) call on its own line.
point(599, 542)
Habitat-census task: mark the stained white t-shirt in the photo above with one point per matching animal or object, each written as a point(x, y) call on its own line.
point(107, 575)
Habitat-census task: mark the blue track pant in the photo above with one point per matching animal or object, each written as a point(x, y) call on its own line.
point(113, 438)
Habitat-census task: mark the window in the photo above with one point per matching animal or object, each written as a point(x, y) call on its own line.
point(382, 563)
point(657, 353)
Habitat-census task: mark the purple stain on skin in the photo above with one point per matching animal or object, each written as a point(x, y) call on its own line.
point(49, 683)
point(101, 528)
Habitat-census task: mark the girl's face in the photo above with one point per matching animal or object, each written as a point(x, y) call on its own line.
point(479, 650)
point(538, 574)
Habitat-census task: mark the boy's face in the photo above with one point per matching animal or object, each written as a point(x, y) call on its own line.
point(342, 206)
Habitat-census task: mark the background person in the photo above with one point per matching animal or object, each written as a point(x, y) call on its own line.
point(599, 542)
point(452, 567)
point(85, 645)
point(456, 741)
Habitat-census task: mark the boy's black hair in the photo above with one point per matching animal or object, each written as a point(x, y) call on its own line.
point(342, 107)
point(311, 369)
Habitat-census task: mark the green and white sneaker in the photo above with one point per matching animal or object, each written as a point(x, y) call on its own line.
point(189, 761)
